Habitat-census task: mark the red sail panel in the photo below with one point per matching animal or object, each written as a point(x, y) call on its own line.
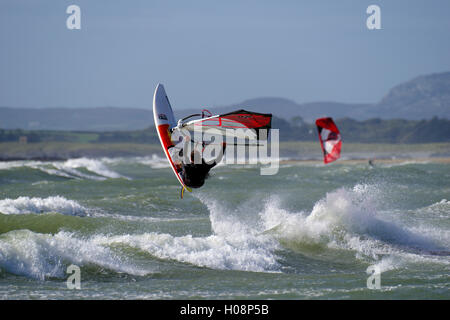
point(251, 120)
point(330, 139)
point(240, 119)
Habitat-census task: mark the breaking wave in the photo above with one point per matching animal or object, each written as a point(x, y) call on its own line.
point(346, 220)
point(27, 205)
point(213, 251)
point(154, 161)
point(79, 168)
point(42, 256)
point(92, 165)
point(349, 219)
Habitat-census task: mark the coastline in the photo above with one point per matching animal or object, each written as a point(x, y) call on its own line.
point(292, 151)
point(376, 161)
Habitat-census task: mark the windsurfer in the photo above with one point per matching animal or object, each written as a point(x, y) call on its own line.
point(194, 174)
point(195, 169)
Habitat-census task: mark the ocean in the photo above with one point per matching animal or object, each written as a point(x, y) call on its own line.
point(312, 231)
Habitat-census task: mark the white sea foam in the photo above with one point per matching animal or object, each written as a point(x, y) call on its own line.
point(11, 164)
point(92, 165)
point(232, 246)
point(154, 161)
point(26, 205)
point(213, 251)
point(40, 256)
point(442, 206)
point(349, 219)
point(345, 219)
point(70, 168)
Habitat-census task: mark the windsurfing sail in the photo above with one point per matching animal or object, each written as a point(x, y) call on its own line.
point(240, 119)
point(330, 139)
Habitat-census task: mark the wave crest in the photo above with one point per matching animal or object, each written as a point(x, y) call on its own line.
point(27, 205)
point(42, 256)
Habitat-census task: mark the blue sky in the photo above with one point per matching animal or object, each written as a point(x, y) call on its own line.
point(210, 53)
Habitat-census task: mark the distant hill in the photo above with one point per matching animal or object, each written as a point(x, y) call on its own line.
point(288, 109)
point(421, 98)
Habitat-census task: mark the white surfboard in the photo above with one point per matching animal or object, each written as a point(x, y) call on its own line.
point(164, 122)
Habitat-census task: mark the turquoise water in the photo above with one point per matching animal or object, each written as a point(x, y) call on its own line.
point(309, 232)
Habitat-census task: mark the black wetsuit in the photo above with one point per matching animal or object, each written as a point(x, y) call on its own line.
point(194, 175)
